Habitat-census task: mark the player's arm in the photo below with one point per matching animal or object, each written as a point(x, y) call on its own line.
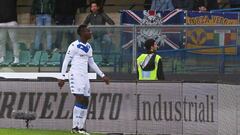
point(94, 66)
point(67, 59)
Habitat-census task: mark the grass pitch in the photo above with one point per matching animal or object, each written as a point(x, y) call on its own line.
point(13, 131)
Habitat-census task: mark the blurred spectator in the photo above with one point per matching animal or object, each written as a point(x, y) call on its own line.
point(65, 11)
point(202, 5)
point(212, 4)
point(234, 3)
point(183, 4)
point(162, 5)
point(8, 18)
point(82, 6)
point(199, 5)
point(147, 4)
point(43, 10)
point(100, 2)
point(101, 38)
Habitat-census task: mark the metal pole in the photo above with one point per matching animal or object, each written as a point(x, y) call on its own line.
point(134, 48)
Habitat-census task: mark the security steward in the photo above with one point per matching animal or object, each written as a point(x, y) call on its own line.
point(149, 64)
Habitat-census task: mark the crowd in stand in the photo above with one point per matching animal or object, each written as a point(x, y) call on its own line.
point(44, 13)
point(197, 5)
point(63, 12)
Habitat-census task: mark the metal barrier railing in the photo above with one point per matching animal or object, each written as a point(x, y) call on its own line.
point(126, 46)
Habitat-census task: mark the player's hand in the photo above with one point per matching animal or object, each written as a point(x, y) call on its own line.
point(61, 83)
point(106, 80)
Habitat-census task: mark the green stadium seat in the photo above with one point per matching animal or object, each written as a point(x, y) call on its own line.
point(8, 59)
point(40, 57)
point(24, 58)
point(36, 59)
point(97, 58)
point(114, 59)
point(55, 59)
point(44, 58)
point(22, 46)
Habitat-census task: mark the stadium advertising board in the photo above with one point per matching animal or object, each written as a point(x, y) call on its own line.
point(177, 109)
point(145, 108)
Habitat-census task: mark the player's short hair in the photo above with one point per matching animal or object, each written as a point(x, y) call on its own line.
point(81, 28)
point(148, 43)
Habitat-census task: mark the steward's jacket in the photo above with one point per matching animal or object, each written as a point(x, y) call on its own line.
point(149, 67)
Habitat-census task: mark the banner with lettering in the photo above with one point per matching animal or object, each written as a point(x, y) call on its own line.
point(165, 38)
point(126, 107)
point(204, 37)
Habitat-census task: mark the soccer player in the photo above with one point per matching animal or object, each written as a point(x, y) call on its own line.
point(80, 54)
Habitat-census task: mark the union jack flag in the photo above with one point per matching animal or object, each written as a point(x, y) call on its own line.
point(166, 38)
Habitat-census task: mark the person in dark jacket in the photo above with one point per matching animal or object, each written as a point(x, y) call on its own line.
point(43, 11)
point(149, 64)
point(100, 2)
point(205, 5)
point(162, 5)
point(8, 18)
point(102, 37)
point(147, 4)
point(212, 4)
point(183, 4)
point(83, 6)
point(65, 11)
point(199, 5)
point(234, 3)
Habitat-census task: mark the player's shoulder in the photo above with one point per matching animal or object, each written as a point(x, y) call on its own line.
point(78, 44)
point(87, 43)
point(74, 44)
